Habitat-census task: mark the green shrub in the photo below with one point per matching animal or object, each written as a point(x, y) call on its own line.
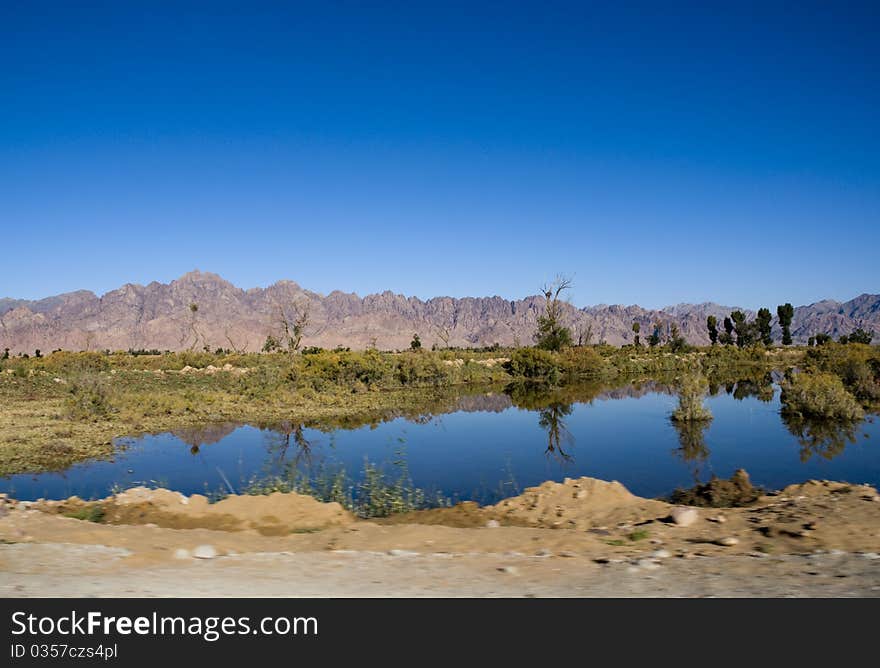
point(582, 361)
point(88, 397)
point(422, 370)
point(534, 363)
point(91, 513)
point(861, 379)
point(66, 363)
point(692, 388)
point(820, 395)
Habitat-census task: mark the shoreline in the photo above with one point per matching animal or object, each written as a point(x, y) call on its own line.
point(583, 537)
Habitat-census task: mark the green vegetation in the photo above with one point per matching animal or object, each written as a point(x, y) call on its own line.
point(638, 534)
point(692, 388)
point(552, 334)
point(858, 336)
point(762, 323)
point(785, 313)
point(712, 326)
point(381, 491)
point(727, 337)
point(65, 407)
point(533, 363)
point(819, 395)
point(89, 513)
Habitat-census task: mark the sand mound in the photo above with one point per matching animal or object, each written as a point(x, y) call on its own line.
point(720, 493)
point(812, 488)
point(273, 514)
point(581, 503)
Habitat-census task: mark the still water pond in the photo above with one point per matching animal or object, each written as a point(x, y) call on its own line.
point(493, 445)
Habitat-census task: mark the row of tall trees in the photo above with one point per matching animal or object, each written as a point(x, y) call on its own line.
point(744, 333)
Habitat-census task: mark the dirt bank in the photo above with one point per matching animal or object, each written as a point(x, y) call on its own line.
point(583, 537)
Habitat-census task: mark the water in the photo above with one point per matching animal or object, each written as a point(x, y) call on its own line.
point(495, 445)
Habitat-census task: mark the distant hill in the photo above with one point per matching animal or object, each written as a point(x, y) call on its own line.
point(160, 316)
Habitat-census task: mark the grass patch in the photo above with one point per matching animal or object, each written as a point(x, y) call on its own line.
point(88, 514)
point(380, 491)
point(638, 534)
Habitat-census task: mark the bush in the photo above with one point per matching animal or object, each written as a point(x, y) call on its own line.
point(342, 368)
point(861, 379)
point(534, 363)
point(422, 370)
point(582, 361)
point(66, 362)
point(88, 397)
point(692, 388)
point(820, 395)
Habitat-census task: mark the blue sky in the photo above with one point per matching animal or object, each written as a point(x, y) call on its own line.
point(658, 153)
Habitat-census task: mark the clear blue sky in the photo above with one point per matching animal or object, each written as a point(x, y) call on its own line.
point(659, 153)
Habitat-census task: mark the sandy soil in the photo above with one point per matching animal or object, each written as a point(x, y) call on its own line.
point(584, 537)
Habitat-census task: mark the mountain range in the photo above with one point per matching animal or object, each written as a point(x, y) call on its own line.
point(202, 309)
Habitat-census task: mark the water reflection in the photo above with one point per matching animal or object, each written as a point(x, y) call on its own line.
point(279, 441)
point(823, 438)
point(462, 443)
point(551, 419)
point(761, 389)
point(200, 436)
point(692, 444)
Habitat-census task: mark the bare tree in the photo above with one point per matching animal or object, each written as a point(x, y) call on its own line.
point(240, 350)
point(584, 332)
point(191, 329)
point(442, 333)
point(294, 321)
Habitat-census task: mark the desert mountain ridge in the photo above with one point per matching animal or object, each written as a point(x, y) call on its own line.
point(201, 309)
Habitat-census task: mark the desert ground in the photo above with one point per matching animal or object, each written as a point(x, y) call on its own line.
point(582, 538)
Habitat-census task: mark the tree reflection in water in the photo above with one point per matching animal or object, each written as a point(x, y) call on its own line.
point(279, 442)
point(822, 437)
point(761, 389)
point(552, 420)
point(692, 444)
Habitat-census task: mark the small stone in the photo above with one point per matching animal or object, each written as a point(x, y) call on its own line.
point(810, 526)
point(567, 554)
point(647, 564)
point(661, 554)
point(837, 553)
point(180, 553)
point(544, 552)
point(580, 494)
point(683, 517)
point(870, 555)
point(727, 541)
point(204, 552)
point(402, 553)
point(493, 524)
point(720, 519)
point(656, 541)
point(510, 570)
point(757, 554)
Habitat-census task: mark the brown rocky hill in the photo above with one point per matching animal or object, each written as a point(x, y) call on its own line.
point(202, 309)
